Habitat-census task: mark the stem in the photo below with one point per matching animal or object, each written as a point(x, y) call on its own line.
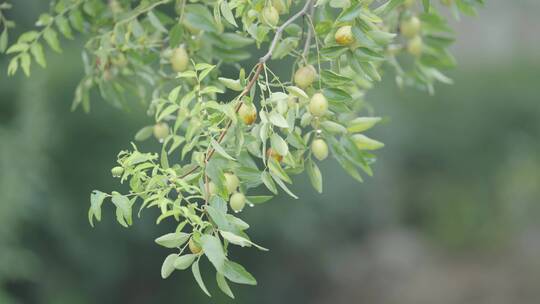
point(309, 33)
point(259, 68)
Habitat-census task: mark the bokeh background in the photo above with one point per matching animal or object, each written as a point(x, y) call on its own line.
point(451, 216)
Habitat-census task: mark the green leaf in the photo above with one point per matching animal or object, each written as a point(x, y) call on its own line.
point(77, 21)
point(296, 91)
point(227, 13)
point(13, 66)
point(37, 51)
point(268, 182)
point(28, 37)
point(51, 37)
point(155, 22)
point(285, 47)
point(183, 262)
point(278, 120)
point(232, 84)
point(362, 124)
point(44, 19)
point(17, 48)
point(199, 17)
point(3, 40)
point(198, 278)
point(237, 273)
point(213, 250)
point(175, 35)
point(332, 78)
point(123, 209)
point(173, 240)
point(259, 199)
point(240, 241)
point(173, 95)
point(144, 133)
point(315, 176)
point(276, 169)
point(350, 14)
point(283, 186)
point(223, 285)
point(168, 265)
point(96, 200)
point(219, 149)
point(63, 25)
point(333, 127)
point(167, 111)
point(25, 63)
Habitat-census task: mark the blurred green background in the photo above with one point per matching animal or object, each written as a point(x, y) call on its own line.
point(451, 215)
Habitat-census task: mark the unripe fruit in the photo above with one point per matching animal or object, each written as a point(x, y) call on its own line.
point(344, 35)
point(271, 153)
point(410, 27)
point(415, 46)
point(365, 143)
point(237, 201)
point(161, 130)
point(179, 59)
point(409, 3)
point(319, 149)
point(193, 247)
point(270, 15)
point(231, 182)
point(318, 106)
point(248, 113)
point(305, 76)
point(117, 171)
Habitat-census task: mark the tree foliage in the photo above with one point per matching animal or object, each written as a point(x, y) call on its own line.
point(228, 141)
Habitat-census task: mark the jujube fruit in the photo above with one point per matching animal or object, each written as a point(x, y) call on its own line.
point(271, 153)
point(318, 105)
point(319, 148)
point(179, 59)
point(117, 171)
point(248, 113)
point(194, 247)
point(161, 130)
point(231, 182)
point(305, 76)
point(344, 35)
point(410, 27)
point(237, 201)
point(415, 46)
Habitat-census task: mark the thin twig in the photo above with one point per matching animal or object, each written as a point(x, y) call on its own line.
point(307, 45)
